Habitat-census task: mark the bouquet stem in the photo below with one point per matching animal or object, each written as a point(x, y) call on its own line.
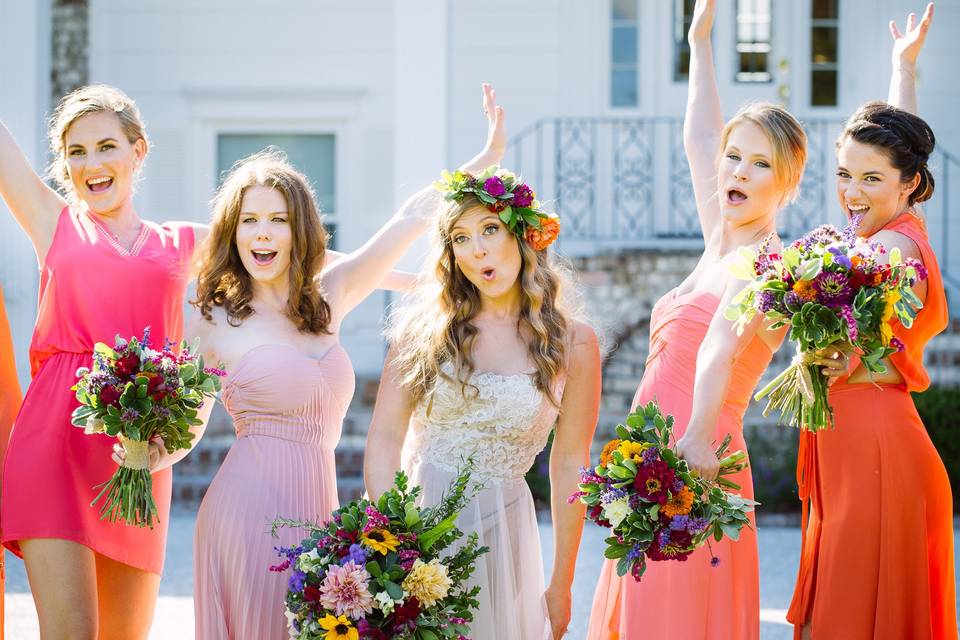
point(129, 492)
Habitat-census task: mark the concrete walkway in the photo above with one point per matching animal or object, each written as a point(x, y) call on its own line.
point(779, 551)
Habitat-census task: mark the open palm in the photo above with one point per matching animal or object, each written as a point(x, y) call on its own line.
point(907, 45)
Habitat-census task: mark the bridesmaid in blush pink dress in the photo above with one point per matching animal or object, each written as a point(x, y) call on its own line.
point(699, 369)
point(287, 395)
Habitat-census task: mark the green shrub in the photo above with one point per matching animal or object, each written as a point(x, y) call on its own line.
point(773, 464)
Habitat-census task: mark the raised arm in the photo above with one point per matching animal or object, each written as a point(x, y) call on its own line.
point(906, 50)
point(351, 279)
point(715, 361)
point(571, 451)
point(703, 121)
point(388, 429)
point(34, 205)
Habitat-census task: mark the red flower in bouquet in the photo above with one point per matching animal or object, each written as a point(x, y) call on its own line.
point(128, 365)
point(653, 480)
point(110, 395)
point(406, 612)
point(671, 545)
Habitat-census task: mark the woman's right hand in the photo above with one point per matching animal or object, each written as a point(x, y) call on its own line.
point(702, 23)
point(834, 361)
point(700, 456)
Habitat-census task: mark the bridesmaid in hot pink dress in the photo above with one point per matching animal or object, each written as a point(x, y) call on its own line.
point(287, 393)
point(104, 272)
point(699, 369)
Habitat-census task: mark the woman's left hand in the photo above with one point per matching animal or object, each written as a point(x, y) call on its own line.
point(558, 607)
point(496, 144)
point(834, 362)
point(907, 46)
point(153, 451)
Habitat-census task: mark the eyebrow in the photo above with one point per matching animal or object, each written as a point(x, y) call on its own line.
point(489, 216)
point(77, 144)
point(272, 213)
point(866, 173)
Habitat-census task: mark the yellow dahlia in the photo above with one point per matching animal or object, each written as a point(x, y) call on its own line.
point(338, 628)
point(427, 582)
point(679, 504)
point(380, 540)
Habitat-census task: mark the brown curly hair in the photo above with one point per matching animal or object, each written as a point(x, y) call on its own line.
point(223, 281)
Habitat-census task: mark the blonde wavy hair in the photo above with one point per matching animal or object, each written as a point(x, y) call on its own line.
point(223, 281)
point(435, 324)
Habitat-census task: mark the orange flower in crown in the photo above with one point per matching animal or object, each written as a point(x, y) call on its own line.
point(513, 200)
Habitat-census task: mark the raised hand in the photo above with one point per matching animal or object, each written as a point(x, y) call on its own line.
point(702, 24)
point(906, 46)
point(496, 144)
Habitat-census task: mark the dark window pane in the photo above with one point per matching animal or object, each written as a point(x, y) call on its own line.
point(623, 49)
point(624, 10)
point(823, 88)
point(825, 9)
point(623, 88)
point(823, 45)
point(682, 18)
point(681, 67)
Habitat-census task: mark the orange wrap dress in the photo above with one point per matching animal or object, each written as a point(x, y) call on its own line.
point(9, 405)
point(877, 556)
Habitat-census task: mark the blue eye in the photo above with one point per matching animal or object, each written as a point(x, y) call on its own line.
point(460, 239)
point(762, 164)
point(733, 156)
point(490, 229)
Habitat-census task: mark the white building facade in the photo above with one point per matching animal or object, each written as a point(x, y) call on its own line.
point(372, 99)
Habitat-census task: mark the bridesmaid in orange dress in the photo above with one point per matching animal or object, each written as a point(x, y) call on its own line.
point(877, 559)
point(9, 404)
point(699, 369)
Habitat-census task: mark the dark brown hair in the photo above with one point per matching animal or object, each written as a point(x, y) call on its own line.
point(224, 281)
point(907, 141)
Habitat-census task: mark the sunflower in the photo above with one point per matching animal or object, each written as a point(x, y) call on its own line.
point(679, 503)
point(631, 450)
point(338, 628)
point(380, 540)
point(607, 454)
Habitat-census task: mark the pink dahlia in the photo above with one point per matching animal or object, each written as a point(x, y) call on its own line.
point(346, 590)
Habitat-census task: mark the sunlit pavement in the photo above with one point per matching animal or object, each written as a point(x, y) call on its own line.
point(779, 551)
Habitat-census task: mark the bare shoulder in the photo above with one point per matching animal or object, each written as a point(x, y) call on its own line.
point(584, 335)
point(586, 346)
point(894, 239)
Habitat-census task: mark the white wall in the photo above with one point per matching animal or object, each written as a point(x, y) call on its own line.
point(24, 77)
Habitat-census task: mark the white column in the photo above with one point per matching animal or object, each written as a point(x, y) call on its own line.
point(24, 105)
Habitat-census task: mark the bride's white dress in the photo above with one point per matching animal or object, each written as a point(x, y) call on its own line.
point(502, 429)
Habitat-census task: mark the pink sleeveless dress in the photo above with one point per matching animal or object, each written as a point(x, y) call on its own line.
point(691, 600)
point(288, 409)
point(91, 289)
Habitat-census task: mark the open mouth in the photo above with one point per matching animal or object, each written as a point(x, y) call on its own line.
point(735, 196)
point(263, 258)
point(488, 274)
point(99, 185)
point(857, 209)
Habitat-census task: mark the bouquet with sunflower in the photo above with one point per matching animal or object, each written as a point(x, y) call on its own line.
point(655, 507)
point(832, 288)
point(384, 570)
point(137, 394)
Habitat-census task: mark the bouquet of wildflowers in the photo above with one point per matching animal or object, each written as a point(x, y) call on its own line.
point(137, 394)
point(385, 569)
point(831, 288)
point(654, 506)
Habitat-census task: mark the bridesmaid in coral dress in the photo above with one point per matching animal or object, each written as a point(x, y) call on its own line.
point(877, 559)
point(266, 310)
point(699, 369)
point(104, 271)
point(9, 405)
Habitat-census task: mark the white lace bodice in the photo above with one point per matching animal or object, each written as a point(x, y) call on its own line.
point(502, 428)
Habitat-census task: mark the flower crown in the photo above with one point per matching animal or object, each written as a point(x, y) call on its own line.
point(505, 194)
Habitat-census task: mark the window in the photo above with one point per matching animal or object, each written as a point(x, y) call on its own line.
point(753, 41)
point(624, 60)
point(311, 154)
point(824, 40)
point(682, 19)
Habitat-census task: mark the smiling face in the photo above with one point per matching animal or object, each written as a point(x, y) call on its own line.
point(101, 162)
point(870, 186)
point(264, 238)
point(487, 253)
point(746, 183)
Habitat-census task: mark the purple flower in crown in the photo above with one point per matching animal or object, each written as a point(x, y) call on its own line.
point(523, 196)
point(832, 288)
point(494, 186)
